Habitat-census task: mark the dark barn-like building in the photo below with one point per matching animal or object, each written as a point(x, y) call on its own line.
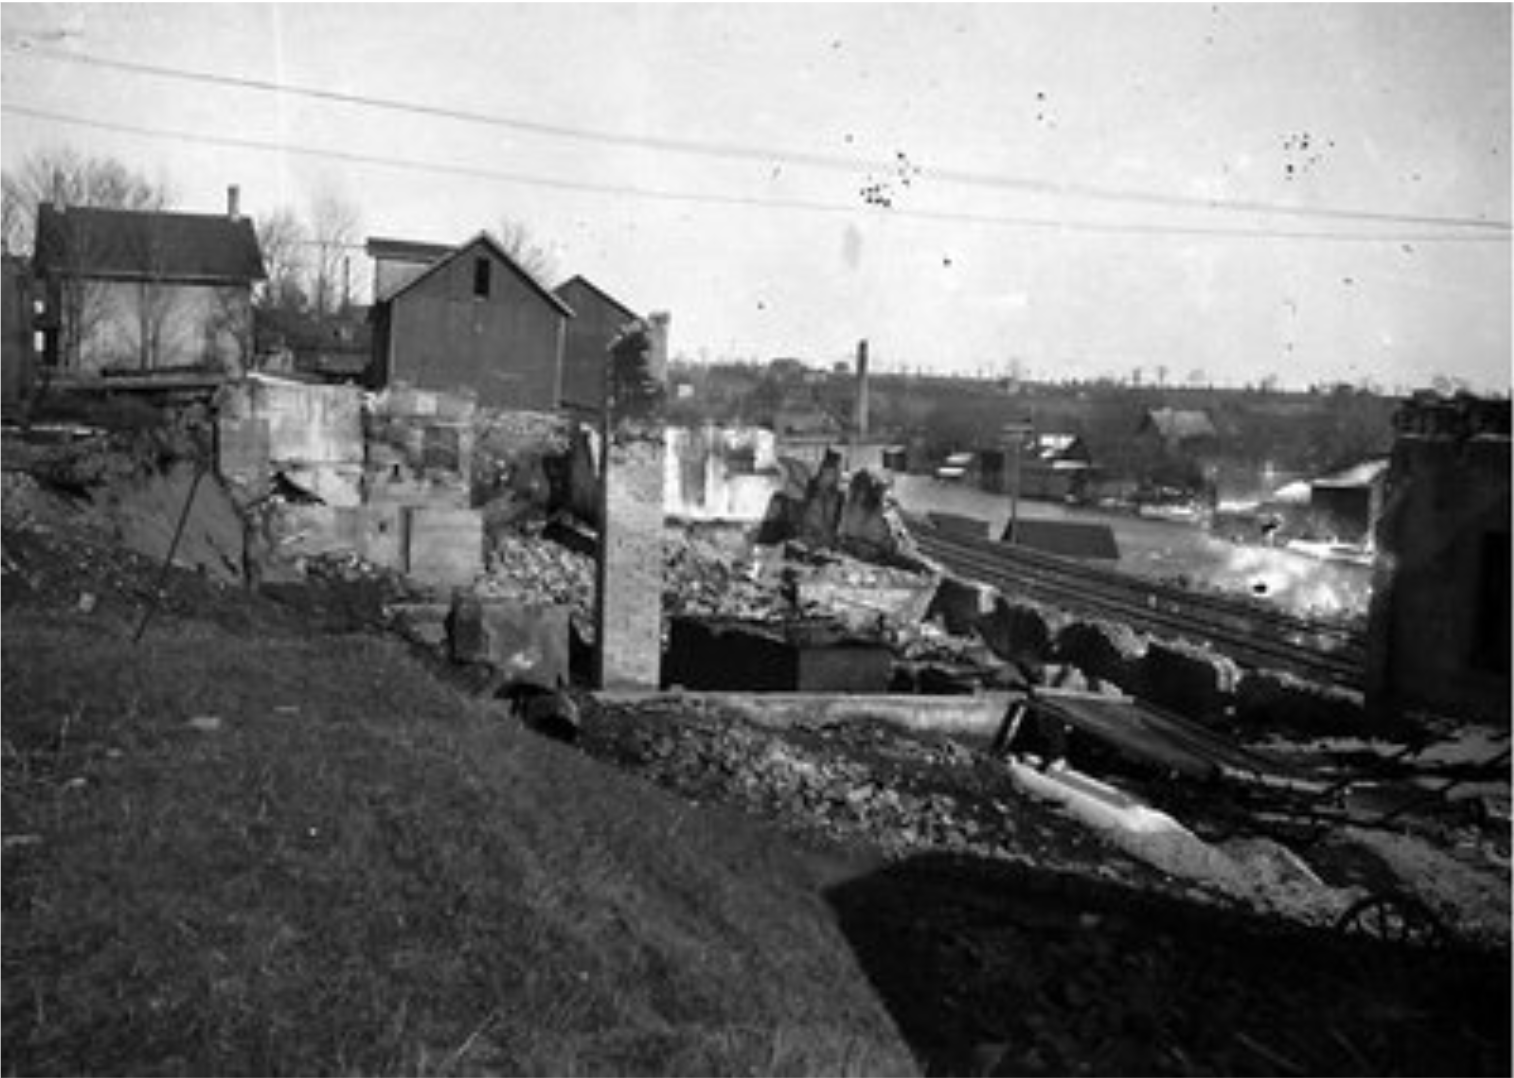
point(473, 319)
point(597, 320)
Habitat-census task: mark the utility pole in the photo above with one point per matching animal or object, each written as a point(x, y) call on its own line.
point(1015, 433)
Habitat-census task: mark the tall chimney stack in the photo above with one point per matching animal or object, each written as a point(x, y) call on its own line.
point(861, 389)
point(234, 202)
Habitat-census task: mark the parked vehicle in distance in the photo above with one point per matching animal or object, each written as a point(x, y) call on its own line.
point(955, 468)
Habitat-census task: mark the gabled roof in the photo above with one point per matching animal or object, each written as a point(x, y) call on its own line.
point(147, 245)
point(1360, 475)
point(485, 240)
point(582, 281)
point(1179, 425)
point(1053, 447)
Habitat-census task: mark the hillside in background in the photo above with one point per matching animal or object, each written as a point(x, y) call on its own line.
point(1304, 433)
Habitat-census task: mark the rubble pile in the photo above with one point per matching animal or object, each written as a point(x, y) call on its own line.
point(538, 572)
point(705, 580)
point(854, 784)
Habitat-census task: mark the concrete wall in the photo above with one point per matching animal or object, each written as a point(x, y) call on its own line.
point(1439, 632)
point(506, 347)
point(202, 325)
point(720, 473)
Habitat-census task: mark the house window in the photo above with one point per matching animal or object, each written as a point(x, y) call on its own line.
point(481, 268)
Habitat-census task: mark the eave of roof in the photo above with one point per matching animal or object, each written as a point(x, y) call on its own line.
point(600, 292)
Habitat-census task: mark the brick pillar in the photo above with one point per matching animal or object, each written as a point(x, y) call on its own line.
point(628, 599)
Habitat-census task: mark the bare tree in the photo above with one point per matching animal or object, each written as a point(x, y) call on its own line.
point(230, 322)
point(525, 252)
point(65, 177)
point(281, 237)
point(334, 230)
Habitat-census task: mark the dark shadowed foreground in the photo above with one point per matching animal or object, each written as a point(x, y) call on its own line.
point(293, 853)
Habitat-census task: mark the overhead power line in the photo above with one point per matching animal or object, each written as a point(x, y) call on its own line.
point(635, 191)
point(766, 155)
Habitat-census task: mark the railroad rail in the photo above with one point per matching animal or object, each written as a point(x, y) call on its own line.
point(1251, 634)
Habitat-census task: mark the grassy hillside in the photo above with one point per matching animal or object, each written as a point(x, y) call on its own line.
point(281, 852)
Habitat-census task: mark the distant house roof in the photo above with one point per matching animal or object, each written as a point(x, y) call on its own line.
point(483, 239)
point(1068, 538)
point(1360, 475)
point(1178, 425)
point(381, 248)
point(147, 245)
point(1057, 448)
point(580, 281)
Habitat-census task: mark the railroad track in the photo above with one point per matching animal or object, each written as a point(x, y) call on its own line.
point(1249, 633)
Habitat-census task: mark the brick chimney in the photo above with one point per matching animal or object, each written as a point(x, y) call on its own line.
point(862, 389)
point(234, 202)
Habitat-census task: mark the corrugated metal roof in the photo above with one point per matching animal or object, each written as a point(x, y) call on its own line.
point(137, 245)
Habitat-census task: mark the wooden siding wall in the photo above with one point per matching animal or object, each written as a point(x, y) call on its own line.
point(593, 326)
point(507, 348)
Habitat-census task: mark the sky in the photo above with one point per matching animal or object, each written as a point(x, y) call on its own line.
point(1204, 193)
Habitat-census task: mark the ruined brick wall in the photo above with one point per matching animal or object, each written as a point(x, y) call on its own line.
point(1439, 631)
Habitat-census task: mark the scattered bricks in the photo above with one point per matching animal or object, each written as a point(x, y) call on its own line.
point(1188, 679)
point(961, 604)
point(1017, 631)
point(863, 607)
point(525, 645)
point(1109, 651)
point(446, 546)
point(1277, 700)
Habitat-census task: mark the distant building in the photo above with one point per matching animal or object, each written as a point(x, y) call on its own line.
point(597, 320)
point(398, 262)
point(1179, 431)
point(1439, 630)
point(336, 348)
point(1346, 505)
point(146, 291)
point(20, 350)
point(472, 319)
point(1054, 466)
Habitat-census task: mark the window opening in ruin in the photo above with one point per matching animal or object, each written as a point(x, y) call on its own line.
point(481, 268)
point(1491, 643)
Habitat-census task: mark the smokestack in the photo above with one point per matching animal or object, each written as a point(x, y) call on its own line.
point(234, 202)
point(861, 389)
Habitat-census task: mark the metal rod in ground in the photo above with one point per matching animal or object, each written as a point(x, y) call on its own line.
point(173, 548)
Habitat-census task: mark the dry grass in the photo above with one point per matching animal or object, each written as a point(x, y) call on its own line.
point(301, 854)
